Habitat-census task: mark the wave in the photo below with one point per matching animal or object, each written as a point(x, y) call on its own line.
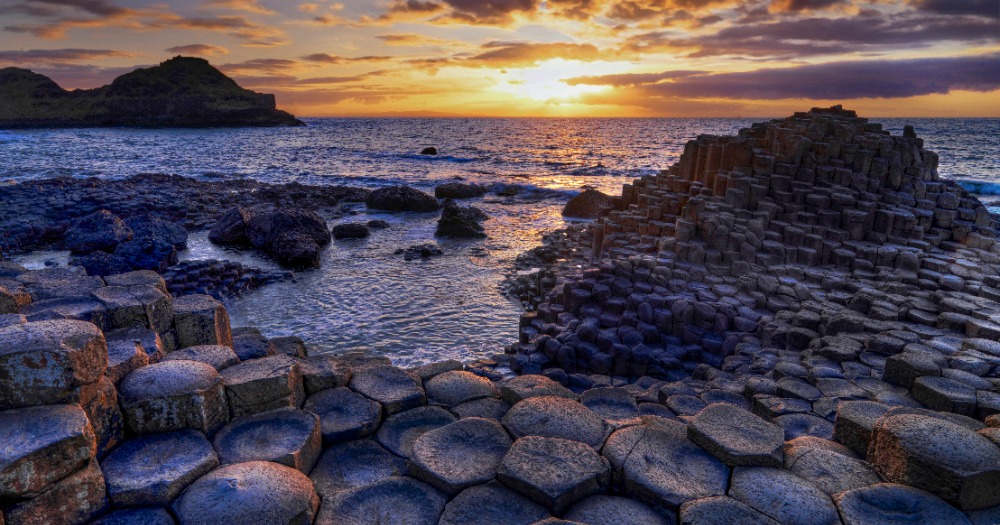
point(533, 191)
point(438, 158)
point(980, 187)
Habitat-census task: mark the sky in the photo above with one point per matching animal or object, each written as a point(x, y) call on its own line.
point(628, 58)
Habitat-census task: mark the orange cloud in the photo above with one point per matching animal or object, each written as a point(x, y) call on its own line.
point(203, 50)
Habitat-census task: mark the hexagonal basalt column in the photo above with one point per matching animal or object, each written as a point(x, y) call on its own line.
point(395, 389)
point(263, 384)
point(42, 445)
point(153, 470)
point(554, 472)
point(201, 320)
point(459, 455)
point(286, 435)
point(174, 395)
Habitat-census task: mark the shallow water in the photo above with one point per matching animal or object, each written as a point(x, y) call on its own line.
point(364, 296)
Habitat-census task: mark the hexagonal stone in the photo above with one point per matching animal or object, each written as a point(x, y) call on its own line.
point(174, 395)
point(263, 384)
point(659, 465)
point(100, 402)
point(425, 372)
point(519, 388)
point(13, 297)
point(854, 423)
point(147, 516)
point(943, 458)
point(354, 464)
point(145, 339)
point(721, 510)
point(610, 403)
point(394, 500)
point(201, 320)
point(783, 496)
point(285, 435)
point(254, 492)
point(322, 372)
point(86, 308)
point(344, 415)
point(456, 387)
point(124, 356)
point(891, 503)
point(798, 425)
point(12, 319)
point(42, 445)
point(140, 277)
point(74, 499)
point(616, 510)
point(553, 472)
point(558, 417)
point(153, 470)
point(46, 362)
point(248, 343)
point(460, 454)
point(945, 395)
point(220, 357)
point(392, 387)
point(737, 437)
point(400, 431)
point(491, 504)
point(50, 283)
point(487, 407)
point(142, 306)
point(829, 470)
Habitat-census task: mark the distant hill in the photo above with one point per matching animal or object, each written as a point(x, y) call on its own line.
point(181, 92)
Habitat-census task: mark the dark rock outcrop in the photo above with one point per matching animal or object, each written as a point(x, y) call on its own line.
point(458, 190)
point(589, 204)
point(460, 221)
point(350, 231)
point(429, 151)
point(181, 92)
point(101, 230)
point(294, 237)
point(401, 198)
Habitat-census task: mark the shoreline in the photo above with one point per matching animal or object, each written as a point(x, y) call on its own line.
point(803, 313)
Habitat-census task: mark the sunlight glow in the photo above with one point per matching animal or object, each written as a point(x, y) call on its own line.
point(544, 82)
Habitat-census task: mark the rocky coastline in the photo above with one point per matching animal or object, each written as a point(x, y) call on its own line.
point(794, 325)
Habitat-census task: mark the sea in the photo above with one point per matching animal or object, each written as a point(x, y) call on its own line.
point(365, 297)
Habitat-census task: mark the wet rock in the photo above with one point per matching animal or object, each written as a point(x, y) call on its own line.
point(350, 231)
point(102, 263)
point(393, 500)
point(458, 190)
point(263, 384)
point(659, 465)
point(344, 415)
point(400, 431)
point(47, 362)
point(174, 395)
point(457, 387)
point(589, 204)
point(101, 230)
point(721, 510)
point(491, 504)
point(147, 254)
point(250, 344)
point(393, 388)
point(290, 345)
point(783, 496)
point(615, 510)
point(556, 417)
point(353, 464)
point(153, 470)
point(460, 222)
point(553, 472)
point(254, 492)
point(430, 150)
point(737, 437)
point(231, 228)
point(377, 224)
point(41, 446)
point(287, 436)
point(201, 320)
point(220, 357)
point(522, 387)
point(75, 499)
point(887, 502)
point(943, 458)
point(294, 237)
point(460, 454)
point(419, 251)
point(401, 198)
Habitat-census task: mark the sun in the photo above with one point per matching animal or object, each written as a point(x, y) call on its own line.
point(544, 82)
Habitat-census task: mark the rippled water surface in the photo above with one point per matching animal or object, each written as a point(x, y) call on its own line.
point(364, 296)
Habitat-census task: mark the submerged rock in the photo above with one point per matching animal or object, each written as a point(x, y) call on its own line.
point(589, 204)
point(458, 190)
point(401, 198)
point(430, 150)
point(350, 231)
point(460, 221)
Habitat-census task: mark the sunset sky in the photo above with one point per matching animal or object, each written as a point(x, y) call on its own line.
point(538, 57)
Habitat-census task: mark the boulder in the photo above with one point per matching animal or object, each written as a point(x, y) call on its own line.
point(293, 237)
point(890, 503)
point(102, 263)
point(354, 464)
point(287, 436)
point(147, 253)
point(154, 228)
point(401, 198)
point(783, 496)
point(737, 437)
point(456, 387)
point(344, 415)
point(491, 504)
point(250, 344)
point(153, 470)
point(42, 445)
point(254, 492)
point(616, 510)
point(459, 455)
point(174, 395)
point(393, 500)
point(263, 384)
point(201, 320)
point(458, 190)
point(553, 472)
point(945, 459)
point(400, 431)
point(220, 357)
point(556, 417)
point(101, 230)
point(430, 150)
point(460, 222)
point(46, 362)
point(351, 230)
point(589, 204)
point(393, 388)
point(77, 498)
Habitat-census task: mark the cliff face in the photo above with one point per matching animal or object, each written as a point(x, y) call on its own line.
point(181, 92)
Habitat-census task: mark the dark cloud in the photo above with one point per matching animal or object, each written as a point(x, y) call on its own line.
point(806, 5)
point(984, 8)
point(416, 6)
point(94, 7)
point(515, 54)
point(843, 80)
point(630, 79)
point(56, 56)
point(198, 50)
point(325, 58)
point(261, 65)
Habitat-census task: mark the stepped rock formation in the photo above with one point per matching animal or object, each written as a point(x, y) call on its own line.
point(750, 371)
point(181, 92)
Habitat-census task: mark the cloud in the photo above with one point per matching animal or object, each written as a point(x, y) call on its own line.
point(983, 8)
point(630, 79)
point(56, 56)
point(838, 80)
point(94, 7)
point(520, 54)
point(261, 65)
point(248, 6)
point(410, 40)
point(779, 6)
point(204, 50)
point(325, 58)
